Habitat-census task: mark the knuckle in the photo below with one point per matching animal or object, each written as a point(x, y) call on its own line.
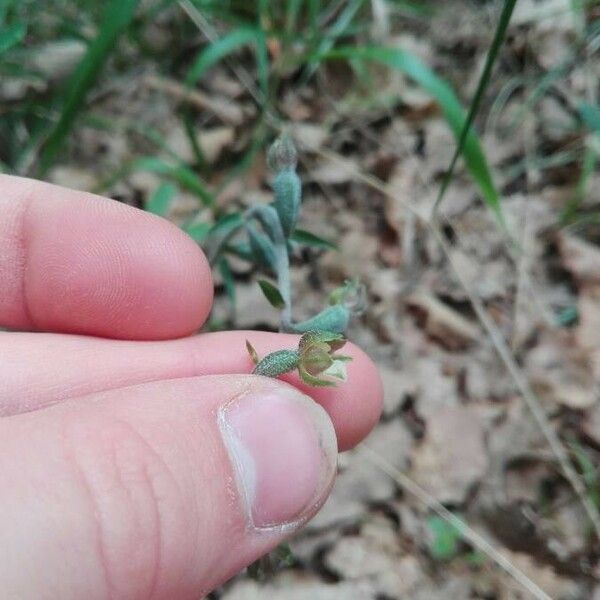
point(133, 500)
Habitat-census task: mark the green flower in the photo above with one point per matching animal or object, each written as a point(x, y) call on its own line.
point(316, 359)
point(319, 365)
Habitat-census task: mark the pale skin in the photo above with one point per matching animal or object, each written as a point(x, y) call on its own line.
point(121, 473)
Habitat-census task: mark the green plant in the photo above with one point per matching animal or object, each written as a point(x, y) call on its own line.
point(266, 234)
point(316, 359)
point(267, 237)
point(444, 540)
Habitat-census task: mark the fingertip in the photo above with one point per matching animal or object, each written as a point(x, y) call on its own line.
point(354, 406)
point(97, 267)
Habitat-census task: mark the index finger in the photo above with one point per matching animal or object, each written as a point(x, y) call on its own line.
point(75, 262)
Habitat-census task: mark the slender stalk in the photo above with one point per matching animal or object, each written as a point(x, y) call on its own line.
point(264, 215)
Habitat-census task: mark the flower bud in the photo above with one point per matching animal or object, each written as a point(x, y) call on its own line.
point(277, 363)
point(287, 191)
point(282, 154)
point(318, 364)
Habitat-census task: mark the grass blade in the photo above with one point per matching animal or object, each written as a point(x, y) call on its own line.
point(221, 48)
point(450, 106)
point(590, 115)
point(484, 80)
point(272, 294)
point(184, 176)
point(10, 36)
point(307, 238)
point(325, 41)
point(117, 17)
point(178, 173)
point(158, 203)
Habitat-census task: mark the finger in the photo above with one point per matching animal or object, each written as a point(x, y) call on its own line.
point(41, 369)
point(162, 490)
point(78, 263)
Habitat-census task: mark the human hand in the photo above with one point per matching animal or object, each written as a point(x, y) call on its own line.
point(143, 469)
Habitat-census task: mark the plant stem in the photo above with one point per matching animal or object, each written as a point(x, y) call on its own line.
point(267, 217)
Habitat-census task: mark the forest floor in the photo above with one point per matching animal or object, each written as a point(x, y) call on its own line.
point(471, 326)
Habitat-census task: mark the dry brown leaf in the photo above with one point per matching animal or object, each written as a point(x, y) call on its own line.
point(293, 585)
point(581, 258)
point(310, 136)
point(212, 142)
point(443, 323)
point(452, 458)
point(376, 556)
point(334, 171)
point(560, 372)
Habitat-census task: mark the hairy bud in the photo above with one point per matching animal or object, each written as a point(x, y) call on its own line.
point(282, 154)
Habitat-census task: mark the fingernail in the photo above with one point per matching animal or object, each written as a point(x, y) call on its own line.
point(283, 450)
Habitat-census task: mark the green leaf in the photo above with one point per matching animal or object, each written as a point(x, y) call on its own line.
point(263, 251)
point(228, 281)
point(183, 175)
point(484, 80)
point(313, 381)
point(445, 538)
point(452, 110)
point(306, 238)
point(333, 318)
point(117, 16)
point(11, 36)
point(226, 224)
point(197, 231)
point(590, 115)
point(159, 201)
point(272, 294)
point(325, 40)
point(334, 341)
point(219, 49)
point(241, 250)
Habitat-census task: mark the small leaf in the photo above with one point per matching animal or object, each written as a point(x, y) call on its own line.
point(241, 250)
point(228, 281)
point(10, 36)
point(226, 224)
point(445, 538)
point(333, 318)
point(262, 248)
point(334, 340)
point(306, 238)
point(309, 379)
point(159, 201)
point(268, 217)
point(183, 175)
point(287, 191)
point(252, 352)
point(272, 294)
point(590, 115)
point(197, 231)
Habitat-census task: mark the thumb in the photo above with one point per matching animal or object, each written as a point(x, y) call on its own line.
point(162, 490)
